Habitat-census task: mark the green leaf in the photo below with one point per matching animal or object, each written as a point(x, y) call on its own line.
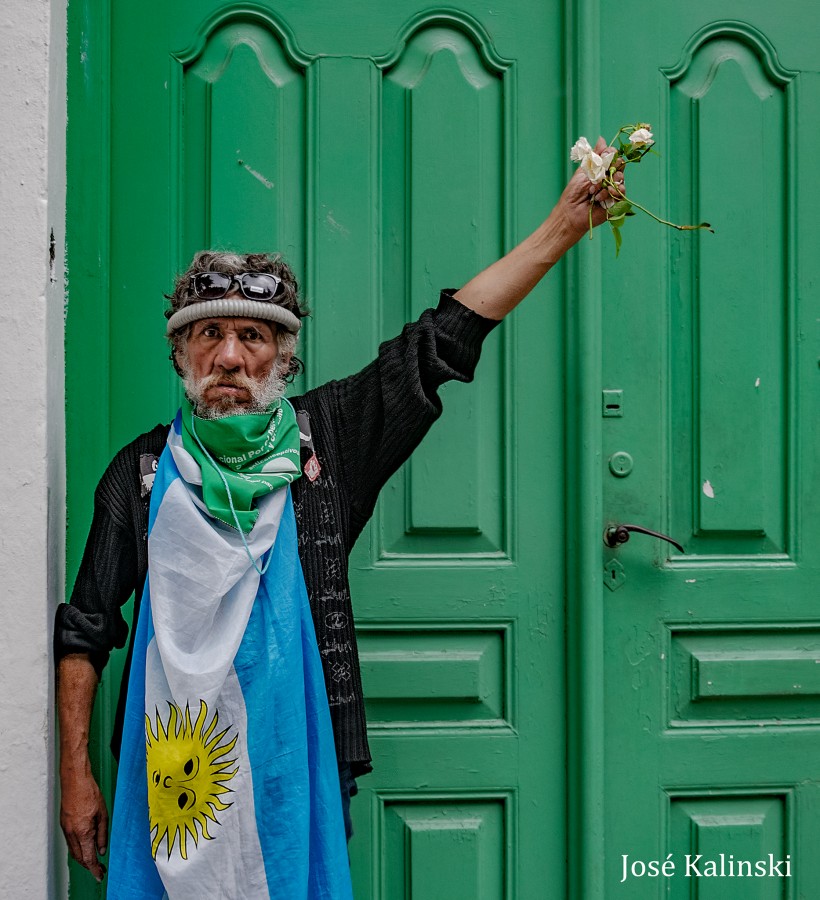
point(616, 221)
point(616, 233)
point(620, 209)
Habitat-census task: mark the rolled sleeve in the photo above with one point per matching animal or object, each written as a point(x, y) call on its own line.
point(92, 622)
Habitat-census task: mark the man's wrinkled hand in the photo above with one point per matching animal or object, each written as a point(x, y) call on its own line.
point(84, 820)
point(574, 203)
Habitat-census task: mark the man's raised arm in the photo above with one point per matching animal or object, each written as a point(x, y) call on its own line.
point(499, 288)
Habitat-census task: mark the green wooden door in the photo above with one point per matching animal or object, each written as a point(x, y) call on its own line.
point(387, 151)
point(711, 660)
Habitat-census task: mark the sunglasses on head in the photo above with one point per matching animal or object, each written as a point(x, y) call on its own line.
point(254, 285)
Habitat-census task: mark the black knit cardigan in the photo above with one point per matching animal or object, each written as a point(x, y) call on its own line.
point(364, 427)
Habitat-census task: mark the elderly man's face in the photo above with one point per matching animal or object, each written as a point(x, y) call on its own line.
point(233, 365)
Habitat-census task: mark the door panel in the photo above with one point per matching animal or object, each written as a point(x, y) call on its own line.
point(387, 153)
point(241, 114)
point(733, 422)
point(444, 107)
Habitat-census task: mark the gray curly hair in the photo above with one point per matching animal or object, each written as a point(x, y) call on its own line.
point(235, 264)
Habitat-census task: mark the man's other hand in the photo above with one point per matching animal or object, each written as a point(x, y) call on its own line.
point(84, 820)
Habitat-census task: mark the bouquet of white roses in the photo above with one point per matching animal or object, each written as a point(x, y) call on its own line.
point(605, 173)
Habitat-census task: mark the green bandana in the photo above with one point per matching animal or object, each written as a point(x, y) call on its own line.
point(255, 454)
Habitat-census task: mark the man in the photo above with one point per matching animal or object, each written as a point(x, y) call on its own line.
point(209, 492)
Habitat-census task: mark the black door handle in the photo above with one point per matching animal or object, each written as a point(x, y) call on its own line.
point(619, 534)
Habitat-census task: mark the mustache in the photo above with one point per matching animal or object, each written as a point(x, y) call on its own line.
point(230, 379)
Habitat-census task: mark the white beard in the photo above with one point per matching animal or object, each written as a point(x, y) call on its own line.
point(263, 393)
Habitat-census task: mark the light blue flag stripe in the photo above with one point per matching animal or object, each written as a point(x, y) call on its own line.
point(290, 737)
point(132, 873)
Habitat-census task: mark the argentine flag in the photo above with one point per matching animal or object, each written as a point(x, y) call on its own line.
point(228, 786)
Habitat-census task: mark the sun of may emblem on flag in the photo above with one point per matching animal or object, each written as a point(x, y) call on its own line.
point(187, 771)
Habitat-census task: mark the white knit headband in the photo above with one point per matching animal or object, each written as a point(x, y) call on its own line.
point(240, 307)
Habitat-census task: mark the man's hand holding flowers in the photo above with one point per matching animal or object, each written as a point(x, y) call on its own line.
point(600, 180)
point(585, 198)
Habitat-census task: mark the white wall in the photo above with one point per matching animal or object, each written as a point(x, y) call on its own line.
point(32, 483)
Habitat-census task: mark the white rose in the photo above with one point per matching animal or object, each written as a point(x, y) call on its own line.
point(596, 166)
point(641, 137)
point(580, 149)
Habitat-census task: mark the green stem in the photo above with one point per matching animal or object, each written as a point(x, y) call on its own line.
point(612, 186)
point(621, 130)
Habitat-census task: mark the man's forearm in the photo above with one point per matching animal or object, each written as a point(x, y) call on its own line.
point(76, 688)
point(83, 814)
point(498, 289)
point(502, 286)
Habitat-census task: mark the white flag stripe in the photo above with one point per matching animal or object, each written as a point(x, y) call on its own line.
point(203, 588)
point(235, 843)
point(200, 786)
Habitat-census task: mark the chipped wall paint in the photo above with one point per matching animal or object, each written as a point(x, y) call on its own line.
point(32, 184)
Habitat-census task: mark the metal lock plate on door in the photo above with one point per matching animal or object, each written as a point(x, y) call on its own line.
point(614, 574)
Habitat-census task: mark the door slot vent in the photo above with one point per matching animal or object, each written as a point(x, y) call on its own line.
point(612, 404)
